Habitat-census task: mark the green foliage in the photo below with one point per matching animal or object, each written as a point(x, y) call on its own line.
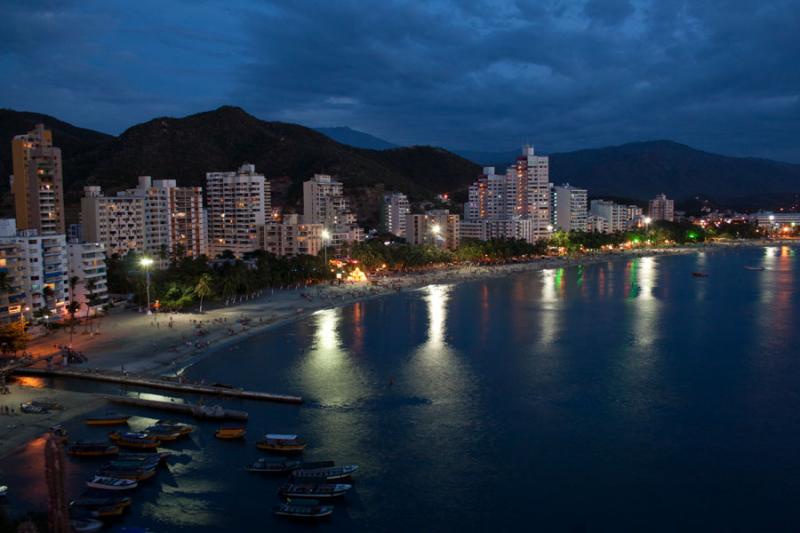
point(14, 337)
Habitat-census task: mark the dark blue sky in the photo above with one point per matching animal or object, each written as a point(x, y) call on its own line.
point(719, 75)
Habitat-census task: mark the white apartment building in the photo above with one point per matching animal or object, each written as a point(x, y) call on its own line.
point(291, 237)
point(523, 192)
point(616, 217)
point(393, 215)
point(569, 208)
point(14, 270)
point(238, 204)
point(87, 262)
point(115, 221)
point(661, 208)
point(434, 228)
point(324, 203)
point(484, 230)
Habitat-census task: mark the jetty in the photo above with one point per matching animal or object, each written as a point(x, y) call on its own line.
point(198, 411)
point(163, 384)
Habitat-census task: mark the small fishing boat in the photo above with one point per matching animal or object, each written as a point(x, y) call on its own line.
point(137, 474)
point(92, 449)
point(111, 483)
point(164, 433)
point(93, 502)
point(230, 432)
point(134, 440)
point(335, 473)
point(130, 464)
point(755, 268)
point(280, 443)
point(58, 433)
point(210, 412)
point(31, 409)
point(46, 403)
point(306, 509)
point(136, 456)
point(184, 429)
point(107, 419)
point(699, 274)
point(105, 511)
point(314, 490)
point(88, 525)
point(272, 467)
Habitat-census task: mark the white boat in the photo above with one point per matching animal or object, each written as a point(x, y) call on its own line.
point(754, 268)
point(111, 483)
point(85, 526)
point(312, 490)
point(333, 473)
point(3, 491)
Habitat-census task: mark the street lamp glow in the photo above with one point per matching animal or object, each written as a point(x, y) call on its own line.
point(326, 235)
point(550, 228)
point(146, 263)
point(436, 229)
point(647, 220)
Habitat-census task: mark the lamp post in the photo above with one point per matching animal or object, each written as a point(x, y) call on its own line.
point(326, 235)
point(436, 229)
point(146, 263)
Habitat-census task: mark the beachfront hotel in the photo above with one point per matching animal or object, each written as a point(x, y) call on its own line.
point(521, 194)
point(394, 211)
point(569, 208)
point(324, 203)
point(37, 183)
point(238, 203)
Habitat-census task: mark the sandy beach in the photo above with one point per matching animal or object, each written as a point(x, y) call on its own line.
point(166, 344)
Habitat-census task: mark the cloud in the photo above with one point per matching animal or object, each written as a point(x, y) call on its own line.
point(473, 74)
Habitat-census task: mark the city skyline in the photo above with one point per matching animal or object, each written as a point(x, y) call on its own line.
point(442, 73)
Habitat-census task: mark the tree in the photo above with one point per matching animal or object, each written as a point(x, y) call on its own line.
point(14, 337)
point(91, 286)
point(203, 288)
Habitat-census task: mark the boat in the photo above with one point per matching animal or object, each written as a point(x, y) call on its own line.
point(134, 440)
point(699, 274)
point(87, 525)
point(45, 403)
point(184, 429)
point(755, 268)
point(164, 433)
point(3, 491)
point(107, 419)
point(135, 456)
point(30, 408)
point(211, 412)
point(307, 509)
point(111, 483)
point(276, 442)
point(58, 433)
point(89, 501)
point(128, 464)
point(314, 490)
point(92, 449)
point(325, 474)
point(137, 474)
point(103, 511)
point(230, 432)
point(272, 467)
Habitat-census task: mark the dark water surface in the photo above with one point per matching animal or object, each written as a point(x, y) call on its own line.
point(625, 396)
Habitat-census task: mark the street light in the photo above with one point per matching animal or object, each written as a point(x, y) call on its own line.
point(146, 263)
point(326, 235)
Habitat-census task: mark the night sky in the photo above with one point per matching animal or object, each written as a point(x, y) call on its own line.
point(483, 75)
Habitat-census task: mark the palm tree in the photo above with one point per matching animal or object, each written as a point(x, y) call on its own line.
point(203, 288)
point(91, 285)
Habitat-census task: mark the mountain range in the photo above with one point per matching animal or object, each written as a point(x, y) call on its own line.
point(288, 154)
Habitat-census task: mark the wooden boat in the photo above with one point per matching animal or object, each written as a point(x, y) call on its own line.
point(137, 474)
point(699, 274)
point(45, 403)
point(184, 429)
point(111, 483)
point(134, 440)
point(230, 432)
point(107, 419)
point(306, 509)
point(314, 490)
point(31, 409)
point(105, 511)
point(92, 449)
point(280, 443)
point(87, 525)
point(89, 501)
point(272, 467)
point(129, 464)
point(135, 456)
point(335, 473)
point(164, 433)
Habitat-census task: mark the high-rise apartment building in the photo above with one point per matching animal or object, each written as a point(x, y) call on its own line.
point(569, 208)
point(291, 237)
point(394, 212)
point(661, 208)
point(14, 271)
point(615, 217)
point(115, 221)
point(87, 263)
point(188, 223)
point(238, 204)
point(37, 182)
point(324, 203)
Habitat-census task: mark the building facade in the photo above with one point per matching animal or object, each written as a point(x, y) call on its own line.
point(87, 263)
point(324, 203)
point(615, 217)
point(238, 203)
point(661, 208)
point(118, 222)
point(434, 228)
point(13, 272)
point(569, 208)
point(394, 211)
point(37, 183)
point(291, 237)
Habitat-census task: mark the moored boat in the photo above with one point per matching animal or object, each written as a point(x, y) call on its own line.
point(30, 408)
point(111, 483)
point(137, 474)
point(128, 464)
point(145, 456)
point(89, 501)
point(755, 268)
point(699, 274)
point(164, 433)
point(92, 449)
point(134, 440)
point(59, 433)
point(184, 429)
point(107, 419)
point(306, 509)
point(326, 474)
point(88, 525)
point(103, 511)
point(272, 467)
point(314, 490)
point(230, 432)
point(281, 443)
point(48, 404)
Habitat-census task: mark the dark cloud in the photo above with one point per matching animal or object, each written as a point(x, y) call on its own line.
point(718, 74)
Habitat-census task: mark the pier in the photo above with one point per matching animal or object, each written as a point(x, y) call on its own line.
point(192, 388)
point(183, 408)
